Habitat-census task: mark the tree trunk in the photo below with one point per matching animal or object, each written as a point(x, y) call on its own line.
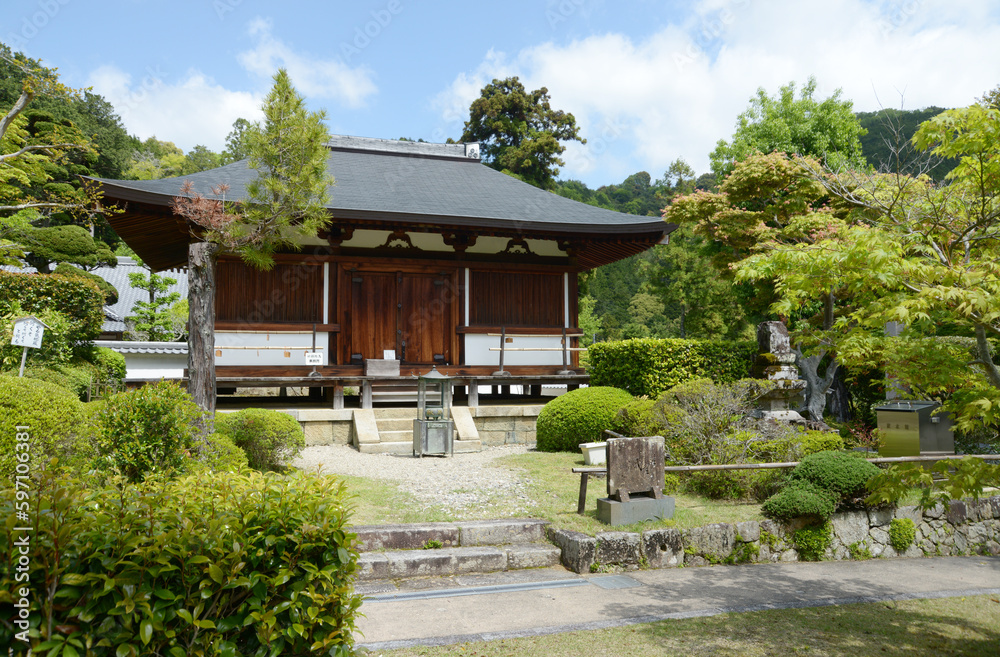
point(816, 386)
point(838, 402)
point(201, 330)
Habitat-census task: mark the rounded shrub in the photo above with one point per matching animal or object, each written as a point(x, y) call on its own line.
point(579, 416)
point(149, 429)
point(220, 454)
point(902, 533)
point(843, 475)
point(269, 438)
point(638, 418)
point(820, 441)
point(58, 423)
point(110, 365)
point(800, 499)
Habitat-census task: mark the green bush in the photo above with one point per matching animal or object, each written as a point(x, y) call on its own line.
point(80, 301)
point(800, 499)
point(219, 453)
point(579, 416)
point(820, 441)
point(269, 438)
point(638, 418)
point(208, 564)
point(648, 367)
point(56, 347)
point(902, 532)
point(74, 378)
point(149, 429)
point(842, 474)
point(812, 542)
point(110, 365)
point(58, 424)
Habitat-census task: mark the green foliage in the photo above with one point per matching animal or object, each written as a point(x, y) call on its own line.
point(56, 348)
point(842, 474)
point(67, 270)
point(81, 302)
point(579, 416)
point(59, 424)
point(65, 244)
point(211, 564)
point(889, 133)
point(800, 499)
point(151, 320)
point(269, 438)
point(820, 441)
point(146, 430)
point(819, 485)
point(432, 544)
point(648, 367)
point(902, 532)
point(110, 365)
point(786, 124)
point(219, 453)
point(638, 418)
point(949, 480)
point(859, 551)
point(812, 542)
point(76, 377)
point(519, 132)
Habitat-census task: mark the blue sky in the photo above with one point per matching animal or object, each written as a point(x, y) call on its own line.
point(647, 81)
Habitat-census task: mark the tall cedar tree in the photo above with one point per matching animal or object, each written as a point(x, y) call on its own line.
point(519, 132)
point(285, 203)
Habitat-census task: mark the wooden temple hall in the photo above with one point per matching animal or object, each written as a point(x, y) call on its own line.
point(431, 259)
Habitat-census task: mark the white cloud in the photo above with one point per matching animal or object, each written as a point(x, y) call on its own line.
point(329, 78)
point(175, 111)
point(643, 103)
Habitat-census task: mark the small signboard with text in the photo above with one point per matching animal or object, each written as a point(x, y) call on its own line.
point(28, 332)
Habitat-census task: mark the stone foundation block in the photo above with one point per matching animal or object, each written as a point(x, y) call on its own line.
point(850, 527)
point(532, 555)
point(577, 549)
point(662, 548)
point(638, 509)
point(748, 531)
point(715, 541)
point(405, 537)
point(617, 548)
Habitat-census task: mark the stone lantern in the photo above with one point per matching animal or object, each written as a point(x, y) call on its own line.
point(433, 430)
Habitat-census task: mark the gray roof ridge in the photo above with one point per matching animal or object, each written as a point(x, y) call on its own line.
point(462, 151)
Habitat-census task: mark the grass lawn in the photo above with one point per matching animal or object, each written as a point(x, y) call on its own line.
point(950, 626)
point(554, 492)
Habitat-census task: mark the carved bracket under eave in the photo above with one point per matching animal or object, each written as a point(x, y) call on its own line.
point(337, 235)
point(459, 241)
point(517, 246)
point(398, 239)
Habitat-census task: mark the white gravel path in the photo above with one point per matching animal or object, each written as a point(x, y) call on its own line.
point(464, 484)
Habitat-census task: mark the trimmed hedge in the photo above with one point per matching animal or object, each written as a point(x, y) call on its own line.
point(819, 485)
point(579, 416)
point(211, 564)
point(269, 438)
point(59, 424)
point(648, 367)
point(81, 301)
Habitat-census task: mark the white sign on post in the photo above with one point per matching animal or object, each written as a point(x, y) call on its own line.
point(314, 358)
point(27, 333)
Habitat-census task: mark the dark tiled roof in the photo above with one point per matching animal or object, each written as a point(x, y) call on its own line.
point(414, 181)
point(130, 347)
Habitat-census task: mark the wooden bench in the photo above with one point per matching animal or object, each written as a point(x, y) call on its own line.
point(585, 474)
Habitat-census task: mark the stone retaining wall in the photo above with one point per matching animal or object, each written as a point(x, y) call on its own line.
point(962, 527)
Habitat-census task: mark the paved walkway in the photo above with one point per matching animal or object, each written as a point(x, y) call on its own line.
point(547, 601)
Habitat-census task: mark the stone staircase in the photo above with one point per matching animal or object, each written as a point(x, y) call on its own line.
point(390, 431)
point(446, 549)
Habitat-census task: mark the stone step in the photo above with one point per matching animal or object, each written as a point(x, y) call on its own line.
point(387, 448)
point(466, 533)
point(440, 562)
point(395, 436)
point(395, 414)
point(393, 424)
point(406, 447)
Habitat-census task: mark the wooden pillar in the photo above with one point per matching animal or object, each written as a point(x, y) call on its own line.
point(201, 327)
point(338, 397)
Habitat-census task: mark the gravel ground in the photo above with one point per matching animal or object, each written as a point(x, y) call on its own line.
point(465, 484)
